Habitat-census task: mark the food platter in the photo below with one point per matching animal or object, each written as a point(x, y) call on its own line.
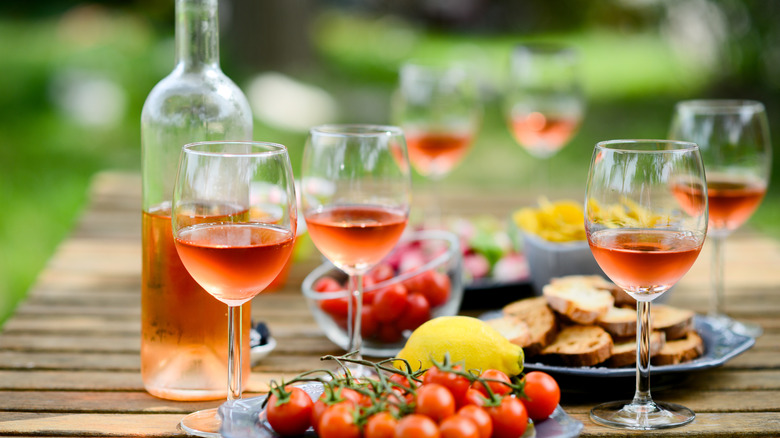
point(245, 418)
point(721, 344)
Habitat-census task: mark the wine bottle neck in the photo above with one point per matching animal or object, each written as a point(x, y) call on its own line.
point(197, 34)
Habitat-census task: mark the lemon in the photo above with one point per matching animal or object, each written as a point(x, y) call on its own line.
point(466, 339)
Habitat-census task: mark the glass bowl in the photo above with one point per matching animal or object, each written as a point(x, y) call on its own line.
point(547, 260)
point(425, 269)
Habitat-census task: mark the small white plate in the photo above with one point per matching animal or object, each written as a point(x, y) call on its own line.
point(259, 352)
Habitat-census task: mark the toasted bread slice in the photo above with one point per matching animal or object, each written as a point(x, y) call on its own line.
point(624, 351)
point(619, 322)
point(680, 350)
point(622, 299)
point(579, 345)
point(512, 328)
point(540, 320)
point(673, 321)
point(578, 299)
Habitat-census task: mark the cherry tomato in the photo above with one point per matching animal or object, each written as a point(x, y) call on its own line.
point(510, 419)
point(437, 288)
point(418, 283)
point(543, 395)
point(458, 426)
point(336, 307)
point(291, 416)
point(351, 395)
point(480, 417)
point(473, 397)
point(435, 401)
point(380, 425)
point(416, 426)
point(417, 312)
point(327, 284)
point(338, 421)
point(381, 272)
point(388, 332)
point(403, 382)
point(458, 385)
point(368, 323)
point(498, 388)
point(390, 302)
point(320, 406)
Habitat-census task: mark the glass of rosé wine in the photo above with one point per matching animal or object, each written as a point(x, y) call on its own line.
point(232, 242)
point(545, 104)
point(355, 198)
point(733, 136)
point(440, 111)
point(645, 238)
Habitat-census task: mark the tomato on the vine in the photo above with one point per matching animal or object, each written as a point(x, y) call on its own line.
point(435, 401)
point(321, 405)
point(480, 417)
point(543, 395)
point(338, 421)
point(497, 387)
point(380, 425)
point(416, 426)
point(510, 419)
point(290, 415)
point(458, 426)
point(457, 384)
point(473, 397)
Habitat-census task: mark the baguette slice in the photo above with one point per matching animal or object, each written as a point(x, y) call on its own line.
point(680, 350)
point(624, 352)
point(512, 328)
point(619, 322)
point(622, 299)
point(578, 299)
point(579, 345)
point(540, 320)
point(673, 321)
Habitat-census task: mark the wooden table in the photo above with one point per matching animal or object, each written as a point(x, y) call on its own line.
point(69, 356)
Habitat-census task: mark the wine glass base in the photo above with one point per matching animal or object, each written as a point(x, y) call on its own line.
point(739, 327)
point(626, 415)
point(204, 423)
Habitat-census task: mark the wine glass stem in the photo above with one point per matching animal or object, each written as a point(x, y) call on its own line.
point(355, 311)
point(234, 352)
point(642, 394)
point(717, 276)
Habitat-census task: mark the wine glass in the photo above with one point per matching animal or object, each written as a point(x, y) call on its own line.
point(440, 112)
point(232, 241)
point(733, 136)
point(646, 221)
point(545, 103)
point(355, 196)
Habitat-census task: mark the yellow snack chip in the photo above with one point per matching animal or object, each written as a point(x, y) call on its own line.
point(559, 221)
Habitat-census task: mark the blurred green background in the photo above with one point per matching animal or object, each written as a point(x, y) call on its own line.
point(75, 76)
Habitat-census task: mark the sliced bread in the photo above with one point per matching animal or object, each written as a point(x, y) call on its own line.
point(624, 351)
point(673, 321)
point(540, 320)
point(619, 321)
point(579, 345)
point(680, 350)
point(512, 328)
point(578, 299)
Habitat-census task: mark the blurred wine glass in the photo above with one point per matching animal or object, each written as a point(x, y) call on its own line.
point(733, 136)
point(646, 221)
point(356, 191)
point(440, 112)
point(544, 104)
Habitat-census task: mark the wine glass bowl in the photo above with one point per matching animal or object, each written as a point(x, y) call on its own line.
point(356, 193)
point(232, 250)
point(545, 103)
point(733, 136)
point(646, 221)
point(435, 255)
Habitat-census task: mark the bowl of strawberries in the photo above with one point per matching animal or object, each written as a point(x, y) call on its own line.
point(419, 280)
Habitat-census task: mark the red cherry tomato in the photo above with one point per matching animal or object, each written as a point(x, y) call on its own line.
point(510, 419)
point(389, 333)
point(543, 395)
point(417, 283)
point(480, 417)
point(380, 425)
point(291, 416)
point(473, 397)
point(368, 323)
point(327, 284)
point(457, 384)
point(338, 421)
point(382, 272)
point(435, 401)
point(458, 426)
point(416, 426)
point(437, 288)
point(320, 406)
point(336, 307)
point(390, 302)
point(498, 388)
point(403, 382)
point(417, 312)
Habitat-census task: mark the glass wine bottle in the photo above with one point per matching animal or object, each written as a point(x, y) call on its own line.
point(183, 336)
